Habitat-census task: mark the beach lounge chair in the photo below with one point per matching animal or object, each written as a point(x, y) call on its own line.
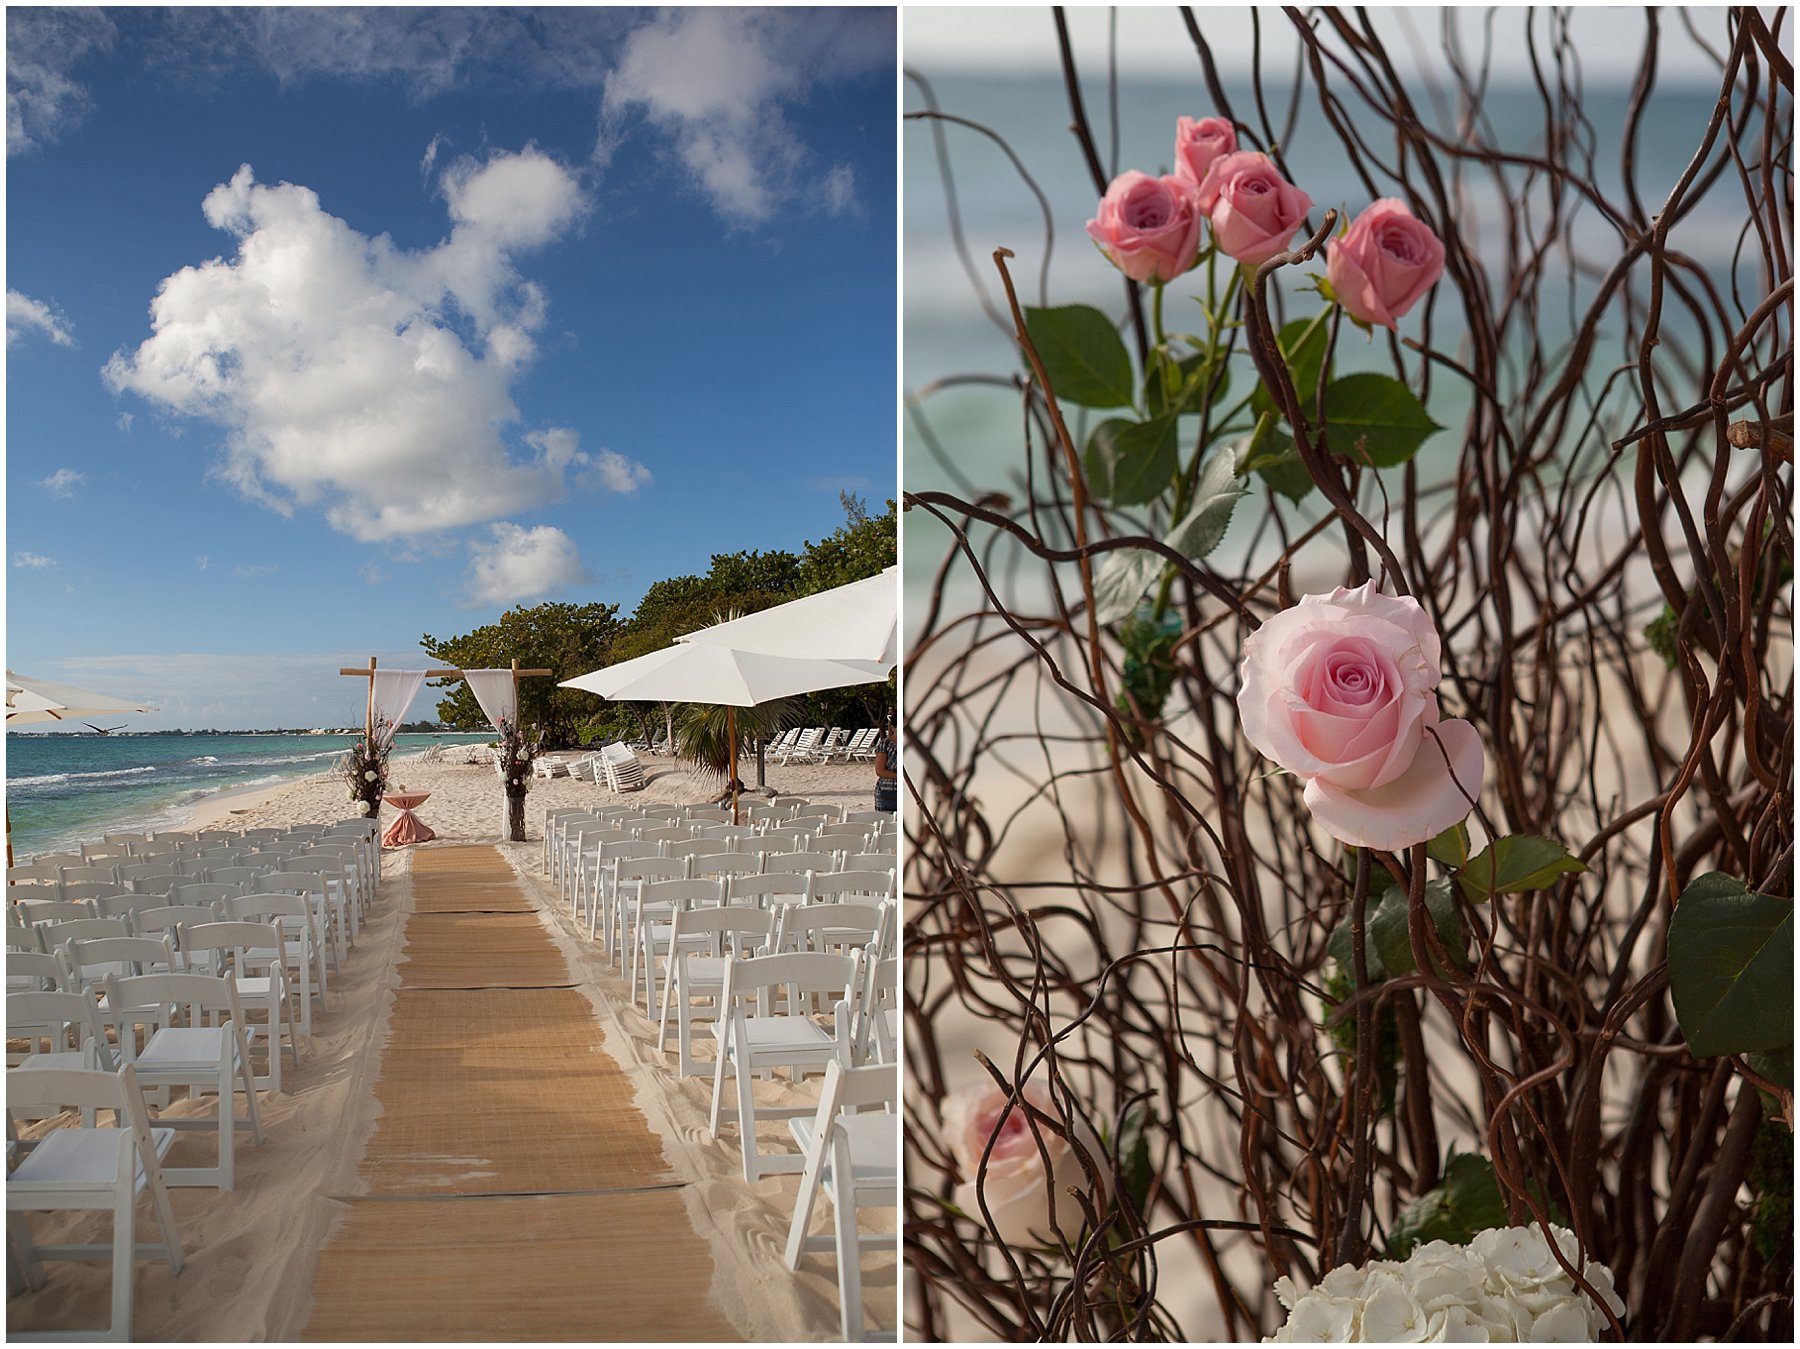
point(91, 1168)
point(802, 747)
point(852, 1157)
point(624, 773)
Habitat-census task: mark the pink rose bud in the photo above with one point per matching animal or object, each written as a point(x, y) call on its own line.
point(1147, 226)
point(1384, 263)
point(1341, 690)
point(1253, 209)
point(1198, 144)
point(1028, 1208)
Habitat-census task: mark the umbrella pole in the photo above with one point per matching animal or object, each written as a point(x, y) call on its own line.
point(731, 767)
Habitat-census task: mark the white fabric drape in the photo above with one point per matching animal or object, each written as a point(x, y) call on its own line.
point(394, 692)
point(493, 689)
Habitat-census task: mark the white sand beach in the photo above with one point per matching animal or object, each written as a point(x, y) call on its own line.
point(252, 1253)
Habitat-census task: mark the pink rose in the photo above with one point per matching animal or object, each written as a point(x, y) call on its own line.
point(1147, 226)
point(1340, 689)
point(1253, 209)
point(1026, 1211)
point(1197, 144)
point(1385, 263)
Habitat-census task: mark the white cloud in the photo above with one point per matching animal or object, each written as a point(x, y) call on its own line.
point(355, 377)
point(521, 564)
point(559, 448)
point(619, 474)
point(25, 315)
point(62, 483)
point(35, 561)
point(838, 189)
point(43, 47)
point(125, 421)
point(241, 690)
point(245, 570)
point(716, 81)
point(203, 563)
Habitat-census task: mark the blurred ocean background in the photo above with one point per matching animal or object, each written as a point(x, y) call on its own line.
point(977, 427)
point(63, 790)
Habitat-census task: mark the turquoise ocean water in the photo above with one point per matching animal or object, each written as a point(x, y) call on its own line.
point(62, 790)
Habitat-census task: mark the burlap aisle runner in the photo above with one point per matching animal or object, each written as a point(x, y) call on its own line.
point(514, 1190)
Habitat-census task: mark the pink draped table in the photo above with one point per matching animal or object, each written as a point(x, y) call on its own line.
point(409, 828)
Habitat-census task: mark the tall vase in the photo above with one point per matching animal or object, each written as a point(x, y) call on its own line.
point(515, 817)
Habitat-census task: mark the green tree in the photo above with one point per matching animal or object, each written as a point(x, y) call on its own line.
point(570, 639)
point(861, 547)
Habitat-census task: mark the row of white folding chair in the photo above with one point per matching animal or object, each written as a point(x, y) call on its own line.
point(294, 912)
point(90, 1167)
point(781, 811)
point(195, 939)
point(808, 880)
point(835, 926)
point(697, 940)
point(196, 1040)
point(607, 846)
point(325, 894)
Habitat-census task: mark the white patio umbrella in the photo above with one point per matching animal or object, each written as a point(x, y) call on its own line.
point(30, 701)
point(37, 700)
point(854, 622)
point(695, 672)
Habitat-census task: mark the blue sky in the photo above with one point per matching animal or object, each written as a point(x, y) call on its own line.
point(327, 328)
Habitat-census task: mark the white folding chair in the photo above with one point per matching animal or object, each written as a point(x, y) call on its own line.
point(196, 1041)
point(854, 1158)
point(875, 1037)
point(90, 1168)
point(251, 955)
point(651, 915)
point(620, 872)
point(33, 971)
point(301, 949)
point(700, 940)
point(757, 1041)
point(53, 1029)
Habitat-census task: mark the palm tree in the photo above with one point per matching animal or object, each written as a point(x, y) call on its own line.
point(702, 733)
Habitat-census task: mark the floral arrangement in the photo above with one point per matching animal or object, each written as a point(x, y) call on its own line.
point(1357, 700)
point(517, 753)
point(1505, 1286)
point(1004, 1142)
point(365, 769)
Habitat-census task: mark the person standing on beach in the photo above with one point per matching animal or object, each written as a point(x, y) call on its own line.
point(887, 787)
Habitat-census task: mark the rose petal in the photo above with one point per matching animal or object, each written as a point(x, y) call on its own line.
point(1415, 807)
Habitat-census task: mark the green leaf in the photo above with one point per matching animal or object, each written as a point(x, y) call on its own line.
point(1216, 492)
point(1375, 419)
point(1122, 580)
point(1450, 847)
point(1135, 460)
point(1303, 344)
point(1340, 948)
point(1277, 461)
point(1467, 1203)
point(1775, 1064)
point(1191, 379)
point(1391, 933)
point(1082, 354)
point(1134, 1157)
point(1515, 864)
point(1731, 967)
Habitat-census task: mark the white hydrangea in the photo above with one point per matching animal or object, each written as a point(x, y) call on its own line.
point(1504, 1286)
